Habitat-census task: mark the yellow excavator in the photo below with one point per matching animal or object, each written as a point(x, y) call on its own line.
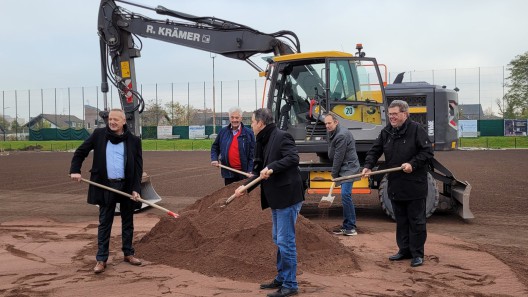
point(300, 88)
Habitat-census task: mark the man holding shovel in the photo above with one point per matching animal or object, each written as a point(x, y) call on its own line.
point(342, 153)
point(234, 147)
point(405, 144)
point(118, 164)
point(281, 189)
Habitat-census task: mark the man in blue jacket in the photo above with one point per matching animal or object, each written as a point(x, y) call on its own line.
point(234, 147)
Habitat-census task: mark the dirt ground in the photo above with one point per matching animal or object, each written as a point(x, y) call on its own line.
point(48, 236)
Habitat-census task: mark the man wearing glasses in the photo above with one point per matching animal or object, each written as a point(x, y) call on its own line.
point(405, 144)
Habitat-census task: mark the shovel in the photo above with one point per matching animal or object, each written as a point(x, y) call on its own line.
point(235, 170)
point(251, 184)
point(170, 213)
point(326, 201)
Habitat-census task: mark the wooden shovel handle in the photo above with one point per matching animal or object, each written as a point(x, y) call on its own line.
point(170, 213)
point(251, 184)
point(234, 170)
point(371, 173)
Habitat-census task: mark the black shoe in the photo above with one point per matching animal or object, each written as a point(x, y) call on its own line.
point(283, 292)
point(339, 231)
point(398, 257)
point(418, 261)
point(274, 284)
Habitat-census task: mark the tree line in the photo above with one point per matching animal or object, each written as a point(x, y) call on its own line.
point(515, 102)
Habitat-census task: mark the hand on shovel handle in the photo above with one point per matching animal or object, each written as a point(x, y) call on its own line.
point(244, 188)
point(135, 198)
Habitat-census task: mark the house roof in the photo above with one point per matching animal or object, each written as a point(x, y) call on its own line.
point(59, 120)
point(471, 112)
point(467, 109)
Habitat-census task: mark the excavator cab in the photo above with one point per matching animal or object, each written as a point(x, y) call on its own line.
point(306, 86)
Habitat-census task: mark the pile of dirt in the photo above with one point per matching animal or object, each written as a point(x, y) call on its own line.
point(235, 241)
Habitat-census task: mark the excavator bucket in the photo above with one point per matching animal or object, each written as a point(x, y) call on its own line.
point(147, 192)
point(454, 194)
point(460, 195)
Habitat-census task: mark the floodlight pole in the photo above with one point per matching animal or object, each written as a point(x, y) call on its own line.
point(214, 94)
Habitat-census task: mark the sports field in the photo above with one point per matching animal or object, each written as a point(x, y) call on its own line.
point(48, 235)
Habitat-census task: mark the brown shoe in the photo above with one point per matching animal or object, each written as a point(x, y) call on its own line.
point(132, 260)
point(99, 267)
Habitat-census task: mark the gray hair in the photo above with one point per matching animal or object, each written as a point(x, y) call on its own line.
point(263, 115)
point(234, 109)
point(404, 107)
point(122, 112)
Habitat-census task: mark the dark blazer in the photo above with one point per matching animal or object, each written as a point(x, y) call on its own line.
point(133, 164)
point(284, 187)
point(407, 144)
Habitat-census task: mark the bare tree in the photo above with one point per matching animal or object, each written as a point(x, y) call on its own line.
point(153, 114)
point(179, 114)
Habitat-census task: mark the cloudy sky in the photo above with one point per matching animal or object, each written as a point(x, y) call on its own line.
point(54, 43)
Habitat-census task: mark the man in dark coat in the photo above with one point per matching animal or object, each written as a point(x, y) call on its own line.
point(277, 163)
point(117, 163)
point(234, 147)
point(405, 144)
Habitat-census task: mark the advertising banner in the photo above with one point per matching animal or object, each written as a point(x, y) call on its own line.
point(467, 128)
point(515, 127)
point(197, 132)
point(164, 132)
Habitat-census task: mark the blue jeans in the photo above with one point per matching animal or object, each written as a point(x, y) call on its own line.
point(349, 212)
point(283, 232)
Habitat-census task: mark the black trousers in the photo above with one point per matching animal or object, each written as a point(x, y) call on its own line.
point(106, 219)
point(411, 231)
point(231, 180)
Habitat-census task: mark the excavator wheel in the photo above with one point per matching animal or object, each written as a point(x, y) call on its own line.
point(431, 201)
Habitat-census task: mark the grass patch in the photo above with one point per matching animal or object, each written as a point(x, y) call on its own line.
point(148, 145)
point(494, 142)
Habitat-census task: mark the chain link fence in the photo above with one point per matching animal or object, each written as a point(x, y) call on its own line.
point(77, 107)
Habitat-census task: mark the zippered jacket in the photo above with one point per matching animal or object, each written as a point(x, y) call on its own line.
point(406, 144)
point(246, 148)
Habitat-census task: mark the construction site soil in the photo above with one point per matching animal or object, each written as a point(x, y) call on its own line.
point(48, 235)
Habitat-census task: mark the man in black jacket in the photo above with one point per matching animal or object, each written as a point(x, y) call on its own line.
point(282, 191)
point(405, 144)
point(117, 163)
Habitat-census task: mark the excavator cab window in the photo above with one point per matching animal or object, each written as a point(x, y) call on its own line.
point(354, 91)
point(297, 84)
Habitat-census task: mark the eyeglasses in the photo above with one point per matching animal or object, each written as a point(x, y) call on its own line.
point(394, 114)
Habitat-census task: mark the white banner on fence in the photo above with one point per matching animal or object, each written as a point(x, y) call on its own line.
point(164, 132)
point(197, 132)
point(467, 128)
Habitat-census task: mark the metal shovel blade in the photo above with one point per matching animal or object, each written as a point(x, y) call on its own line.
point(326, 201)
point(147, 193)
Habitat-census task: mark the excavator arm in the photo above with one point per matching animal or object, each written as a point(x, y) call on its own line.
point(117, 28)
